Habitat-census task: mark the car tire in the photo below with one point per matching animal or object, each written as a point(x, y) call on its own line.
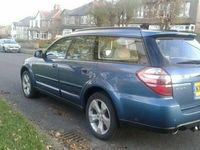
point(101, 116)
point(27, 85)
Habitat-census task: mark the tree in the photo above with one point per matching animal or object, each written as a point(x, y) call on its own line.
point(168, 11)
point(99, 12)
point(125, 11)
point(113, 12)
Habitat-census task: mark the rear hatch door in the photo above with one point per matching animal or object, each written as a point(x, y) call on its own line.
point(183, 58)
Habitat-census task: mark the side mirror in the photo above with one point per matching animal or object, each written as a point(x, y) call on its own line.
point(39, 54)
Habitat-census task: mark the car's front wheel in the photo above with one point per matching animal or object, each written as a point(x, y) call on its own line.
point(101, 116)
point(27, 85)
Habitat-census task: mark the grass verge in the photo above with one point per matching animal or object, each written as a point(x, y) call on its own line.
point(16, 133)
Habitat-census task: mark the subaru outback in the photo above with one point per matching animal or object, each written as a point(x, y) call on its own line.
point(148, 78)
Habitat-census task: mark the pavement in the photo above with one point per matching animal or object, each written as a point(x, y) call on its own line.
point(53, 115)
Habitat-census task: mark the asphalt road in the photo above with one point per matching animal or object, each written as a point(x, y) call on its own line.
point(53, 115)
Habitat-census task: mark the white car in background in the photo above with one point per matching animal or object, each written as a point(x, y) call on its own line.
point(9, 45)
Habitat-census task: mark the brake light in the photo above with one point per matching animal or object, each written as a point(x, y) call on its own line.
point(156, 79)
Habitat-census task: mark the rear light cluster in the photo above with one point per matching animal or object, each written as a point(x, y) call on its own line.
point(156, 79)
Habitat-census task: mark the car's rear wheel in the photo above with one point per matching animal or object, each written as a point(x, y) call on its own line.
point(27, 85)
point(101, 116)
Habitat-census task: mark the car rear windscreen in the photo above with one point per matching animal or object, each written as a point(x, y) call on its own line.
point(179, 50)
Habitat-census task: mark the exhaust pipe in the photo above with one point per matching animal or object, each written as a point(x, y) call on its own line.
point(196, 128)
point(175, 132)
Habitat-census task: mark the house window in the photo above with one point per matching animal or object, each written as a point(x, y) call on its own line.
point(187, 9)
point(146, 11)
point(185, 12)
point(84, 20)
point(72, 20)
point(44, 36)
point(37, 35)
point(140, 12)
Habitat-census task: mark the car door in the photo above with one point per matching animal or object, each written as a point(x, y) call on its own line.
point(77, 68)
point(46, 70)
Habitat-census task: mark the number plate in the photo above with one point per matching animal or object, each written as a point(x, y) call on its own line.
point(197, 89)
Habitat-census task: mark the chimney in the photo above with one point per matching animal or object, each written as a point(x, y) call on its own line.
point(57, 7)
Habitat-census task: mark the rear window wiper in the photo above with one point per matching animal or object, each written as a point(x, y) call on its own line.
point(190, 62)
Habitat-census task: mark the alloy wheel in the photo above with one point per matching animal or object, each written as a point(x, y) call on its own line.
point(99, 116)
point(26, 84)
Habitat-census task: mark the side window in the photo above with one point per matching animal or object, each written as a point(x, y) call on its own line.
point(58, 49)
point(82, 48)
point(121, 49)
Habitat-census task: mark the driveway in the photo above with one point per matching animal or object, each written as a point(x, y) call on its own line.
point(54, 115)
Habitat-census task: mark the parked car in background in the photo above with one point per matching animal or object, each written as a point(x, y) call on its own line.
point(9, 45)
point(66, 32)
point(148, 78)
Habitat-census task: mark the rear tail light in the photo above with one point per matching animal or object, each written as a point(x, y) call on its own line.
point(156, 79)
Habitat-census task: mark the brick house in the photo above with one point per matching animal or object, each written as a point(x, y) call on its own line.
point(38, 27)
point(77, 18)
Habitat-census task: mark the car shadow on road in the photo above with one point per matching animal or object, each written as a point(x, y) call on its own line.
point(65, 117)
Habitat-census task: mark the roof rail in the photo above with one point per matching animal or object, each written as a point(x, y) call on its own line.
point(104, 28)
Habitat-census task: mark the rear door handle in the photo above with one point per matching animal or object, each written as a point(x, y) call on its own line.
point(54, 65)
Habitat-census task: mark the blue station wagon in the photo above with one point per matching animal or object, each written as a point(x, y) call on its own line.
point(148, 78)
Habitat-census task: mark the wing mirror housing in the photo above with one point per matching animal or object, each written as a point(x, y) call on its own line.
point(39, 54)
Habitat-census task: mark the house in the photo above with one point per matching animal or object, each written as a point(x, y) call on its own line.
point(187, 20)
point(19, 30)
point(38, 26)
point(77, 18)
point(46, 24)
point(55, 21)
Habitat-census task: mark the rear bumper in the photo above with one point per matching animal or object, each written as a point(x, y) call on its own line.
point(164, 115)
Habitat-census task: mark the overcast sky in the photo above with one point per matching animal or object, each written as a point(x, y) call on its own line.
point(14, 10)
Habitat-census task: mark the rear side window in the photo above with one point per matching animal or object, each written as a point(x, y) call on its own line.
point(178, 51)
point(121, 49)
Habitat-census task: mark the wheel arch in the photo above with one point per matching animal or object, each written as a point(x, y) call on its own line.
point(96, 88)
point(26, 68)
